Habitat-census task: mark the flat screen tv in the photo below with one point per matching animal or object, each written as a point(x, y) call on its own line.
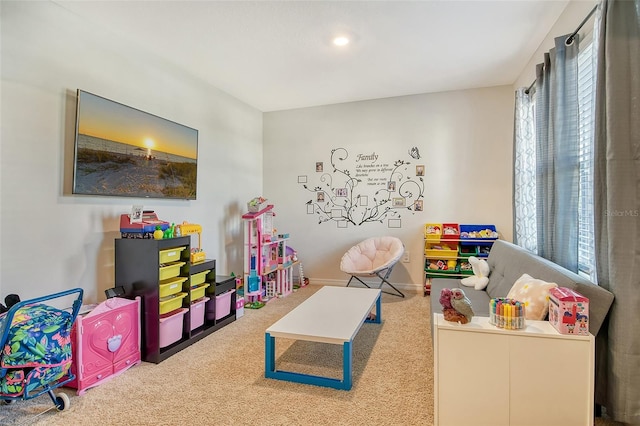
point(122, 151)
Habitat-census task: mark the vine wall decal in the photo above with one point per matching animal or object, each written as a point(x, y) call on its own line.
point(365, 189)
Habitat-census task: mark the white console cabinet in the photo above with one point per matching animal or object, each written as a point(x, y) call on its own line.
point(484, 375)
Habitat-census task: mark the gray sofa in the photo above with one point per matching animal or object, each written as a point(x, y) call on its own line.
point(508, 262)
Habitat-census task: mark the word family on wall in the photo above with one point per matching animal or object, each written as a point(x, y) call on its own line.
point(365, 188)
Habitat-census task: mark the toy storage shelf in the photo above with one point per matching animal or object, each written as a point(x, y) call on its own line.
point(139, 270)
point(454, 252)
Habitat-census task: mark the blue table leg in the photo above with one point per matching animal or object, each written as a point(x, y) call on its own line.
point(347, 366)
point(269, 355)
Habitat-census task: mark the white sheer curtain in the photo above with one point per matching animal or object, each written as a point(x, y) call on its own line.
point(524, 172)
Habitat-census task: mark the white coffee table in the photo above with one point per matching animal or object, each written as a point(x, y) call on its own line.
point(332, 315)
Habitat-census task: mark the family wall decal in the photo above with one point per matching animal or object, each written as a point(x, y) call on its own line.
point(365, 188)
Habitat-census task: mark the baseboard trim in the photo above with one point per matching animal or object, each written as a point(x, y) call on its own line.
point(409, 287)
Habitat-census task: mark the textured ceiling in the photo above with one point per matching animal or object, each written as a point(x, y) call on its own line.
point(277, 55)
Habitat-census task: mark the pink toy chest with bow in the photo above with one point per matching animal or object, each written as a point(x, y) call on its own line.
point(568, 311)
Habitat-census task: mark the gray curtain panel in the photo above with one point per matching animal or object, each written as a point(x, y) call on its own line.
point(617, 199)
point(557, 154)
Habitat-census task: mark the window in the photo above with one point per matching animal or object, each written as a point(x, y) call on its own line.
point(586, 120)
point(525, 156)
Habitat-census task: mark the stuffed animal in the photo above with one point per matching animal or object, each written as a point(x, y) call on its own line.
point(480, 277)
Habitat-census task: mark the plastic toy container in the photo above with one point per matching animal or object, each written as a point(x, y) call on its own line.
point(465, 267)
point(171, 286)
point(170, 271)
point(171, 327)
point(476, 234)
point(467, 251)
point(171, 303)
point(197, 312)
point(441, 250)
point(439, 263)
point(433, 232)
point(223, 304)
point(171, 255)
point(450, 231)
point(197, 292)
point(199, 277)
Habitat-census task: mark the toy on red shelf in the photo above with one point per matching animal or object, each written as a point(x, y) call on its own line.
point(142, 229)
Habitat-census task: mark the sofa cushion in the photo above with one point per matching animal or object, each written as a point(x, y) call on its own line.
point(534, 293)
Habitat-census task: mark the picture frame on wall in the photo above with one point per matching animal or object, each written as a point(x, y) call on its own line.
point(419, 205)
point(420, 170)
point(399, 202)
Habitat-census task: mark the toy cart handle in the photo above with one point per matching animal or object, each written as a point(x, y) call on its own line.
point(77, 303)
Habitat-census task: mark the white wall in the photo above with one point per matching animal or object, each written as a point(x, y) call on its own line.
point(567, 23)
point(465, 139)
point(51, 240)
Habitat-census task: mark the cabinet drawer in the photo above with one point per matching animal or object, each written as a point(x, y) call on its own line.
point(171, 286)
point(171, 255)
point(90, 380)
point(126, 363)
point(171, 270)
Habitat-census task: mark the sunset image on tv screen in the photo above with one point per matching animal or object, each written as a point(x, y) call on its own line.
point(123, 151)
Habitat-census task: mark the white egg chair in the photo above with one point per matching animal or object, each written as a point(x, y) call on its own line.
point(373, 257)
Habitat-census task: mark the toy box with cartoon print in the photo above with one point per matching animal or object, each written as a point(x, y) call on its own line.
point(568, 311)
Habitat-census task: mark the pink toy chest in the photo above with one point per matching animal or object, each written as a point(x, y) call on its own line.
point(568, 311)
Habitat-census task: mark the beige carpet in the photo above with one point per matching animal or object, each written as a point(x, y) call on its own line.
point(220, 379)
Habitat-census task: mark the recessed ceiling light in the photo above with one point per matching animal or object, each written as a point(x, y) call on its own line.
point(341, 41)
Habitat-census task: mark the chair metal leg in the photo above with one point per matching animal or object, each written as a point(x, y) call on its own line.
point(383, 280)
point(353, 276)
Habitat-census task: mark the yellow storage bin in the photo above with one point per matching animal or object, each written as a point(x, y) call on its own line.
point(171, 303)
point(433, 232)
point(441, 250)
point(171, 286)
point(170, 271)
point(171, 255)
point(198, 291)
point(199, 277)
